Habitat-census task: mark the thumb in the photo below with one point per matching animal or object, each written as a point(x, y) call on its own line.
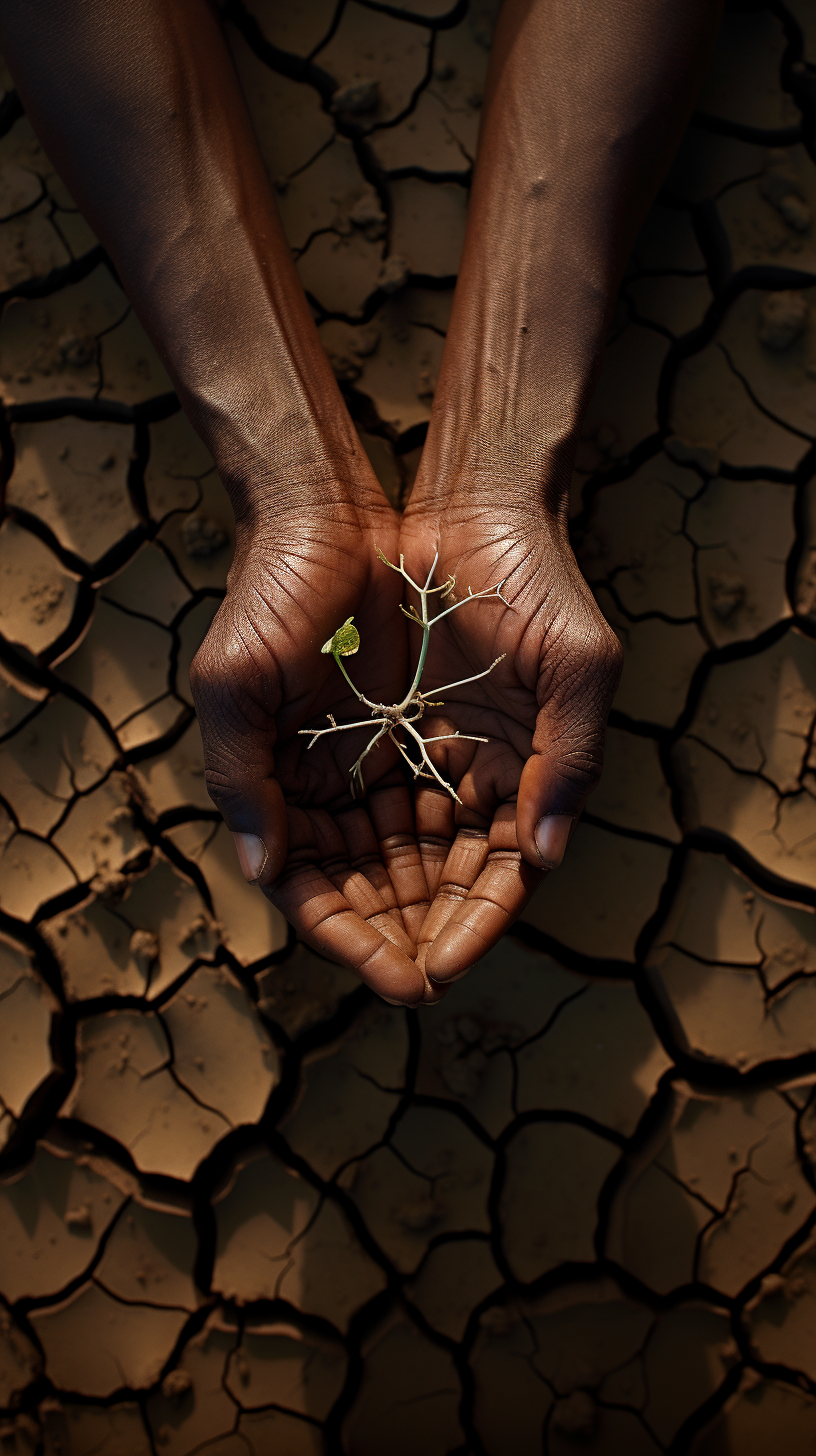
point(547, 811)
point(253, 807)
point(238, 734)
point(567, 757)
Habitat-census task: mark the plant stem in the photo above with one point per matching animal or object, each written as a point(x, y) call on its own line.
point(357, 694)
point(426, 634)
point(392, 718)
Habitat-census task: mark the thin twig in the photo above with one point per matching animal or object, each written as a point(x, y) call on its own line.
point(463, 680)
point(443, 737)
point(346, 642)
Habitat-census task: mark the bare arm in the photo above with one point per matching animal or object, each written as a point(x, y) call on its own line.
point(585, 106)
point(586, 102)
point(139, 108)
point(138, 105)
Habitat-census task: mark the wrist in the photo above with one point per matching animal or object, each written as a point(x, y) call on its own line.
point(515, 379)
point(487, 462)
point(305, 508)
point(266, 494)
point(279, 475)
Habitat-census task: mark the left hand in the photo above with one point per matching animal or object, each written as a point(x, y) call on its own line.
point(345, 873)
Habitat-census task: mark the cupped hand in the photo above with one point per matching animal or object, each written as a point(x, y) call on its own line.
point(347, 874)
point(542, 709)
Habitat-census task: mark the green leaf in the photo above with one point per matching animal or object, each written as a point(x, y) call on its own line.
point(345, 641)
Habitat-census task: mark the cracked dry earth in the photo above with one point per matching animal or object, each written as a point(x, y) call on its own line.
point(245, 1208)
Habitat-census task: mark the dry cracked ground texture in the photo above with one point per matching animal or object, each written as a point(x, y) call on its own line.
point(244, 1207)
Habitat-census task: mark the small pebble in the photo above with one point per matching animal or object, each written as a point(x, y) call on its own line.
point(782, 318)
point(357, 99)
point(393, 275)
point(202, 536)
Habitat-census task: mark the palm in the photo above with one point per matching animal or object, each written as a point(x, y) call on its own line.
point(343, 874)
point(474, 865)
point(301, 591)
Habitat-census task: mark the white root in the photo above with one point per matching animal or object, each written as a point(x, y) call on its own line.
point(405, 714)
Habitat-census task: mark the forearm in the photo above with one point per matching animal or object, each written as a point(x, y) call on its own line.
point(137, 103)
point(585, 106)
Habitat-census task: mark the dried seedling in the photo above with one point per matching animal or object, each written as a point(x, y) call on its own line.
point(406, 714)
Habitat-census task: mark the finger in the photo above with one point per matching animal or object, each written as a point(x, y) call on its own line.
point(433, 992)
point(435, 830)
point(464, 864)
point(497, 897)
point(392, 816)
point(364, 855)
point(326, 921)
point(332, 853)
point(567, 757)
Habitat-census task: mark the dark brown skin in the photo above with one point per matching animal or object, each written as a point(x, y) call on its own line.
point(137, 104)
point(585, 106)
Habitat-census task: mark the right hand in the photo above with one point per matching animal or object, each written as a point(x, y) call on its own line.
point(347, 874)
point(542, 708)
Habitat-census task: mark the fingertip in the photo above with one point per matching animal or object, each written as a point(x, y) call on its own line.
point(260, 864)
point(262, 841)
point(552, 834)
point(452, 954)
point(433, 994)
point(544, 822)
point(390, 973)
point(252, 855)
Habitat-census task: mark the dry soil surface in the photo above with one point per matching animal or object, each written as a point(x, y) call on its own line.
point(245, 1207)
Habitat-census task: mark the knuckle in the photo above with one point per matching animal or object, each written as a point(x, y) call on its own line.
point(216, 786)
point(580, 764)
point(229, 688)
point(203, 671)
point(224, 791)
point(233, 771)
point(611, 649)
point(595, 647)
point(575, 753)
point(589, 663)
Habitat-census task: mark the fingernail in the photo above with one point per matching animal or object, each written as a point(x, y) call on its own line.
point(551, 837)
point(251, 855)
